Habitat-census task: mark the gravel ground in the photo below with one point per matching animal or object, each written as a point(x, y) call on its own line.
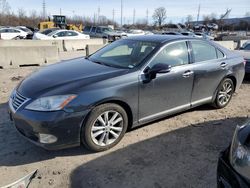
point(179, 151)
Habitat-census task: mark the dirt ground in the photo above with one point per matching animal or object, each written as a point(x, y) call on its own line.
point(179, 151)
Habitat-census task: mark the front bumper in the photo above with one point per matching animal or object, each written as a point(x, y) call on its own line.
point(66, 127)
point(227, 177)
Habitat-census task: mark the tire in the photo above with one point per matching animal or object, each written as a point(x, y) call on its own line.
point(98, 133)
point(224, 93)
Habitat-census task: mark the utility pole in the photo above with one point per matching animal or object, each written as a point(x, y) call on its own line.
point(121, 12)
point(134, 17)
point(147, 13)
point(44, 9)
point(198, 15)
point(113, 16)
point(60, 11)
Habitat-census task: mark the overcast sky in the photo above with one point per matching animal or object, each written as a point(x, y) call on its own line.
point(177, 10)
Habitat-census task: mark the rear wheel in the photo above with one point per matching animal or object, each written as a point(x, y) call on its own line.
point(105, 127)
point(224, 93)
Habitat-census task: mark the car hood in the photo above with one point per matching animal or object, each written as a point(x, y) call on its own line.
point(66, 78)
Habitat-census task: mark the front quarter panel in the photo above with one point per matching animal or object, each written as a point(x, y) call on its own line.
point(122, 88)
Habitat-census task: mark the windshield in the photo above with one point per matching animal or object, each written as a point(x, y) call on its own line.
point(124, 53)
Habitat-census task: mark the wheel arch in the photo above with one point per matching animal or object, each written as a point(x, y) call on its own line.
point(230, 76)
point(119, 102)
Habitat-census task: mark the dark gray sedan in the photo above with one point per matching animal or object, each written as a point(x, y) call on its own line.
point(133, 81)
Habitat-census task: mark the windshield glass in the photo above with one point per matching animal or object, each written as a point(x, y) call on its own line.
point(124, 53)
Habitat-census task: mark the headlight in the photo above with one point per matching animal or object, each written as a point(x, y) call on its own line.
point(52, 103)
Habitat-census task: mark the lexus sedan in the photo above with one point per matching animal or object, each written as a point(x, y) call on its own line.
point(234, 163)
point(94, 100)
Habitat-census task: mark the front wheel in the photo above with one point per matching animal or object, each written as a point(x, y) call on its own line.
point(224, 93)
point(105, 127)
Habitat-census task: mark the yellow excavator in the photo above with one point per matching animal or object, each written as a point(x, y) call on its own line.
point(59, 21)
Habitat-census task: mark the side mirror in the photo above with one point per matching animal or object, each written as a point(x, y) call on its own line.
point(55, 36)
point(160, 68)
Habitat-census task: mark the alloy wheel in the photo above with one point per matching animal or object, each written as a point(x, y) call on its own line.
point(225, 93)
point(107, 128)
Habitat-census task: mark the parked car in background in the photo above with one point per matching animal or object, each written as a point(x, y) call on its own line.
point(234, 163)
point(61, 35)
point(189, 34)
point(129, 82)
point(48, 31)
point(203, 35)
point(9, 33)
point(102, 32)
point(27, 30)
point(245, 52)
point(135, 32)
point(246, 46)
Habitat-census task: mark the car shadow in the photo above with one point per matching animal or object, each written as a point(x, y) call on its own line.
point(15, 150)
point(186, 157)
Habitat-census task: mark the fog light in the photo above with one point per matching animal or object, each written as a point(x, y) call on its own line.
point(47, 138)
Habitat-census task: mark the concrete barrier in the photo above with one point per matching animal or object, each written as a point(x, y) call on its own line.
point(14, 57)
point(231, 45)
point(32, 43)
point(75, 45)
point(90, 49)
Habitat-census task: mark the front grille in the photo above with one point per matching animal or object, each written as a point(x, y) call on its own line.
point(18, 100)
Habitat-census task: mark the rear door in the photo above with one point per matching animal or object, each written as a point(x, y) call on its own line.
point(210, 67)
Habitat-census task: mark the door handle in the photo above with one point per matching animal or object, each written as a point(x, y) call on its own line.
point(223, 65)
point(187, 74)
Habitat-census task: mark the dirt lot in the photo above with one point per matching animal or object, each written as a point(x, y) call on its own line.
point(179, 151)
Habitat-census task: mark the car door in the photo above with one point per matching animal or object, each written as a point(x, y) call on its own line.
point(170, 92)
point(210, 67)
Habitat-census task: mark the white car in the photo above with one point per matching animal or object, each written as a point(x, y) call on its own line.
point(10, 33)
point(135, 32)
point(61, 35)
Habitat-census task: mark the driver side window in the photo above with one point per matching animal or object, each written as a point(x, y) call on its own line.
point(175, 54)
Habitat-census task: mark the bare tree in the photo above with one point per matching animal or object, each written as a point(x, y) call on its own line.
point(4, 7)
point(189, 19)
point(160, 15)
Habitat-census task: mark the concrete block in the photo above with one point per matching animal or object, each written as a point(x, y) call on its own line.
point(227, 44)
point(14, 57)
point(90, 49)
point(76, 45)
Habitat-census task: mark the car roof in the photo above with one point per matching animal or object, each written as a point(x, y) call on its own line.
point(158, 38)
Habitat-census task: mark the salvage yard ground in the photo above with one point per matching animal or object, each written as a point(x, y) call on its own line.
point(179, 151)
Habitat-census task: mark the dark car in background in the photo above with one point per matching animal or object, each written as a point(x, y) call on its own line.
point(103, 32)
point(234, 163)
point(130, 82)
point(245, 52)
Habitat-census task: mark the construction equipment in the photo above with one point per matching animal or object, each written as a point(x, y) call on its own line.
point(59, 21)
